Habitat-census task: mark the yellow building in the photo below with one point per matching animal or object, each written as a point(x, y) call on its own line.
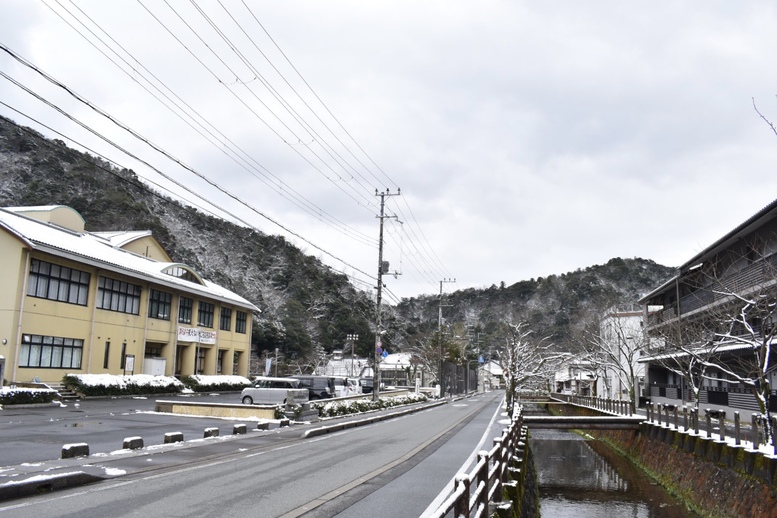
point(77, 302)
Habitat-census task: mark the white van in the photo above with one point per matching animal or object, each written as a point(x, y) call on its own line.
point(341, 386)
point(274, 391)
point(353, 388)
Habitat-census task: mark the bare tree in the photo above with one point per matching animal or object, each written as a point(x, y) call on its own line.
point(749, 340)
point(614, 346)
point(730, 342)
point(526, 362)
point(686, 350)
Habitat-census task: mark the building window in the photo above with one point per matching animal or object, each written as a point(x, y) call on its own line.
point(118, 296)
point(205, 314)
point(220, 361)
point(159, 304)
point(107, 354)
point(153, 351)
point(183, 273)
point(185, 310)
point(226, 319)
point(60, 283)
point(52, 352)
point(241, 318)
point(201, 360)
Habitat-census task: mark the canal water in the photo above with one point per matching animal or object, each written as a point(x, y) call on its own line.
point(582, 478)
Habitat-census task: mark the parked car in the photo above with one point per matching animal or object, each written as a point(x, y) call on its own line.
point(319, 387)
point(340, 385)
point(367, 384)
point(354, 387)
point(274, 391)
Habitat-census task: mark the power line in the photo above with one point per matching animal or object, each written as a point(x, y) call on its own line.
point(167, 177)
point(421, 255)
point(242, 159)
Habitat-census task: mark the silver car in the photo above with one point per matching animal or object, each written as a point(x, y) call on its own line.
point(274, 391)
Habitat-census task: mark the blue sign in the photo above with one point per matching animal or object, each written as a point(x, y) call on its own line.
point(481, 360)
point(385, 353)
point(379, 350)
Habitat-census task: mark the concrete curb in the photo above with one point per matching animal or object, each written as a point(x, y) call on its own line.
point(45, 484)
point(323, 430)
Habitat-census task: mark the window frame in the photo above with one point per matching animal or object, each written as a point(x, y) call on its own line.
point(47, 349)
point(185, 310)
point(241, 321)
point(205, 314)
point(225, 319)
point(118, 296)
point(159, 301)
point(42, 279)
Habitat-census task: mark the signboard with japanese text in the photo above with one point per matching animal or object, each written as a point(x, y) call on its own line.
point(193, 334)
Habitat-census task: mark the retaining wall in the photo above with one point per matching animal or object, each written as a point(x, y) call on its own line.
point(716, 480)
point(216, 409)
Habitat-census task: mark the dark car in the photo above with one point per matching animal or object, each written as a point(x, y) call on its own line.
point(367, 384)
point(319, 387)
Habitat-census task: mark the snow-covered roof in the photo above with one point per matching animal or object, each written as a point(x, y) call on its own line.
point(95, 250)
point(119, 238)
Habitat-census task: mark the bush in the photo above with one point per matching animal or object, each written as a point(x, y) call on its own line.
point(91, 385)
point(26, 396)
point(200, 383)
point(341, 408)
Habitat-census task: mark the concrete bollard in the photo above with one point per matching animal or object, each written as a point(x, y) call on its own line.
point(70, 451)
point(263, 426)
point(173, 437)
point(239, 429)
point(285, 422)
point(737, 431)
point(132, 443)
point(211, 432)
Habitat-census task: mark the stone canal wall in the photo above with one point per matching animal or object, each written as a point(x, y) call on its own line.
point(713, 479)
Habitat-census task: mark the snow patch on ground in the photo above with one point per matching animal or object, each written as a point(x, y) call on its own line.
point(39, 478)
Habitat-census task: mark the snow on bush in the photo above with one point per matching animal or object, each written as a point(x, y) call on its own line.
point(117, 385)
point(201, 383)
point(26, 395)
point(355, 406)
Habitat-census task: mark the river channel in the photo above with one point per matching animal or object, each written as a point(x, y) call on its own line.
point(582, 478)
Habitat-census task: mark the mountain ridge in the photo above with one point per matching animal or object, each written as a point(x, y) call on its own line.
point(307, 307)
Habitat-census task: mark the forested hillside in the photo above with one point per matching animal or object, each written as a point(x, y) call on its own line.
point(307, 308)
point(304, 303)
point(554, 307)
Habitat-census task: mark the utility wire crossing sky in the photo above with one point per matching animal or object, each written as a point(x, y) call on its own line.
point(527, 139)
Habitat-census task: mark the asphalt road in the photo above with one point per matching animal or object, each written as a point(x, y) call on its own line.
point(38, 434)
point(391, 468)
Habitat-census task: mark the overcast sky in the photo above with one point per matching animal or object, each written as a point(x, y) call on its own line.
point(527, 138)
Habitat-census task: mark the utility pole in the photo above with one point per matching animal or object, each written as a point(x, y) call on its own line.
point(352, 339)
point(382, 269)
point(439, 335)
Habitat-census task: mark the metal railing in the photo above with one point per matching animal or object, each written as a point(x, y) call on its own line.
point(475, 491)
point(613, 406)
point(687, 420)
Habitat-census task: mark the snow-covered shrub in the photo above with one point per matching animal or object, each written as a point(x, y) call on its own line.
point(201, 383)
point(26, 396)
point(117, 385)
point(356, 406)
